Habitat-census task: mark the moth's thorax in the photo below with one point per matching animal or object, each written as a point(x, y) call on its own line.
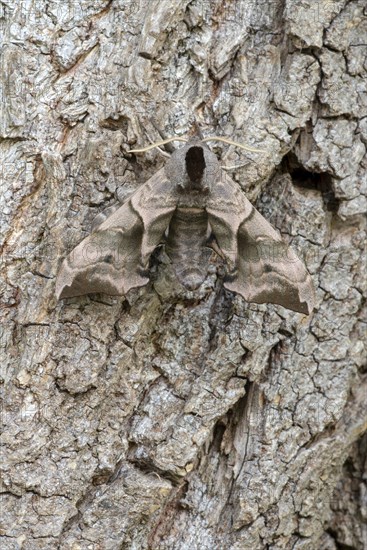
point(191, 200)
point(188, 225)
point(193, 169)
point(190, 214)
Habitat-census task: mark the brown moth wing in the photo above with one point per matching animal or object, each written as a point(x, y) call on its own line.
point(263, 268)
point(114, 258)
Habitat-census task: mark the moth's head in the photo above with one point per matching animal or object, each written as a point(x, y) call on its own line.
point(193, 167)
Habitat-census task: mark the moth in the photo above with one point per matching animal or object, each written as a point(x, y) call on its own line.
point(190, 206)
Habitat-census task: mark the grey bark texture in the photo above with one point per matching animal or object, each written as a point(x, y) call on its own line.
point(172, 419)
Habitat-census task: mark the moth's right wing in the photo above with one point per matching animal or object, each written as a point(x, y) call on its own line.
point(114, 258)
point(262, 266)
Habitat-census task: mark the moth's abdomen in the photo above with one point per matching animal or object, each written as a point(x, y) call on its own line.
point(185, 246)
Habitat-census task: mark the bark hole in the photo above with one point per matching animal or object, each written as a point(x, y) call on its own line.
point(305, 179)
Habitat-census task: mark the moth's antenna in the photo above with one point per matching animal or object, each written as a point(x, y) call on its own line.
point(234, 167)
point(230, 142)
point(158, 144)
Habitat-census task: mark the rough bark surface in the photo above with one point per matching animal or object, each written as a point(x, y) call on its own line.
point(173, 419)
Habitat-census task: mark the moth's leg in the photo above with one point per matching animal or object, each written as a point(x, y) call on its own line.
point(102, 216)
point(212, 243)
point(122, 194)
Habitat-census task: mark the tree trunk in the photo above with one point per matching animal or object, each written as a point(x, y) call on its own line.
point(170, 419)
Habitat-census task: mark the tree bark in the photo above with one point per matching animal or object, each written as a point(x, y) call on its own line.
point(170, 419)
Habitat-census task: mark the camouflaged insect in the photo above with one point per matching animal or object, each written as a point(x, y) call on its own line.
point(190, 205)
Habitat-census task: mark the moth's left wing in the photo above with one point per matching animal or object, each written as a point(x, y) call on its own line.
point(114, 258)
point(262, 267)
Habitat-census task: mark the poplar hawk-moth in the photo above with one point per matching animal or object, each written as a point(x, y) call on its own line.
point(190, 205)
